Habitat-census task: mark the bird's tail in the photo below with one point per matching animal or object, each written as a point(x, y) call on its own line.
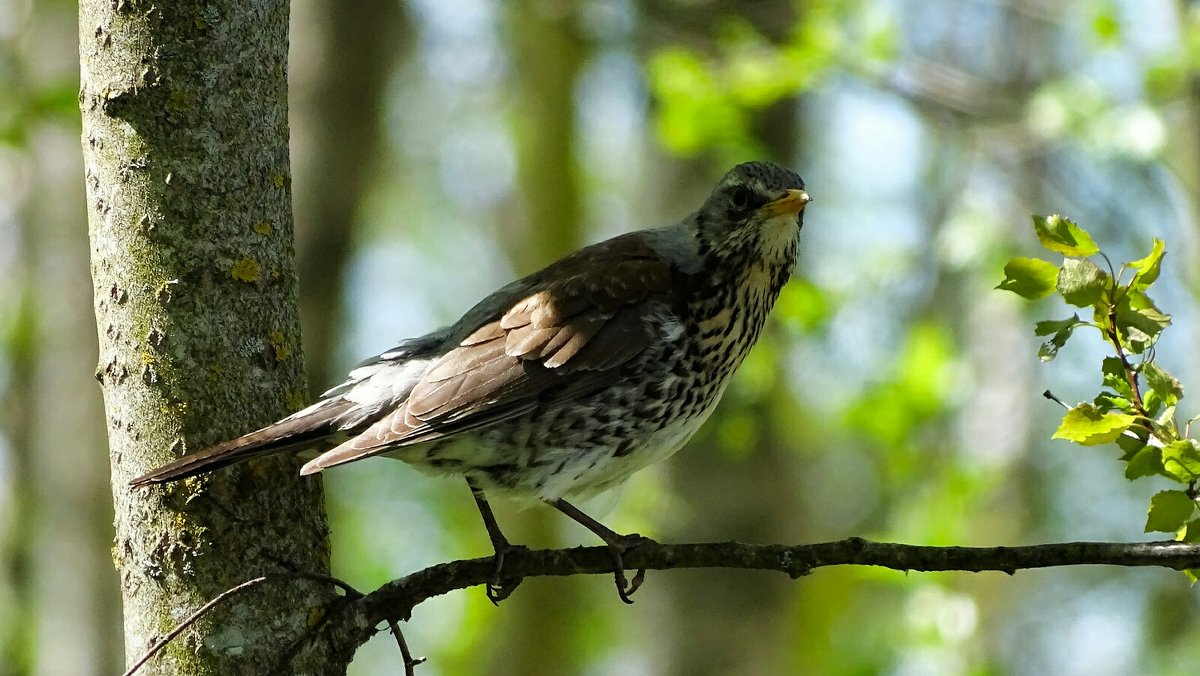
point(306, 429)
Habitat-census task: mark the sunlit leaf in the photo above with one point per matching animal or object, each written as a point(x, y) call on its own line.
point(1081, 282)
point(1169, 512)
point(1181, 459)
point(1151, 402)
point(1060, 234)
point(1085, 424)
point(1146, 269)
point(1139, 322)
point(1166, 419)
point(1165, 385)
point(1030, 278)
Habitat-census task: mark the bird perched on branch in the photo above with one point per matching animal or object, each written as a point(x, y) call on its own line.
point(564, 383)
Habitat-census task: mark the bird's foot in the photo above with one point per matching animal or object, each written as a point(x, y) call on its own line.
point(500, 587)
point(617, 548)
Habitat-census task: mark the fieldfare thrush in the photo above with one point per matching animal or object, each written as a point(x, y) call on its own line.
point(564, 383)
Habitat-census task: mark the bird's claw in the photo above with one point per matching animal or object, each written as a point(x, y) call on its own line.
point(499, 587)
point(617, 548)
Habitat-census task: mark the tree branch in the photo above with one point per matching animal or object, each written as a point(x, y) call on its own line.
point(358, 620)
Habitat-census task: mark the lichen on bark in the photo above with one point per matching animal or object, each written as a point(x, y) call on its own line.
point(185, 144)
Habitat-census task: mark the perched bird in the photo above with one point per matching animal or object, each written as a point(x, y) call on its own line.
point(564, 383)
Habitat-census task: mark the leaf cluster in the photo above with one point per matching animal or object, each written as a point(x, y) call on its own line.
point(1136, 404)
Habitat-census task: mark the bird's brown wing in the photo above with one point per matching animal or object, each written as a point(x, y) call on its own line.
point(567, 335)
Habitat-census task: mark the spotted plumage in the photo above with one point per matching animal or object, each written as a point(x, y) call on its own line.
point(565, 382)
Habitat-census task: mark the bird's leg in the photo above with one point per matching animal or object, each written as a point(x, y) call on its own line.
point(498, 588)
point(617, 545)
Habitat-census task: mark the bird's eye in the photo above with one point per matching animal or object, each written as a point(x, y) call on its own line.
point(740, 197)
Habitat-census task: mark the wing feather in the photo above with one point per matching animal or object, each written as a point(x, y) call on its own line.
point(586, 316)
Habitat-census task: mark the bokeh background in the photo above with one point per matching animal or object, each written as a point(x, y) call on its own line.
point(442, 147)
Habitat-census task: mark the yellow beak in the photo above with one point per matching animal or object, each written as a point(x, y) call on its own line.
point(791, 203)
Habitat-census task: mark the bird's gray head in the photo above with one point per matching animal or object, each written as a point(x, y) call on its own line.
point(752, 219)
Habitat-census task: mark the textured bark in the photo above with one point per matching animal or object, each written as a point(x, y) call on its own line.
point(75, 598)
point(187, 176)
point(353, 623)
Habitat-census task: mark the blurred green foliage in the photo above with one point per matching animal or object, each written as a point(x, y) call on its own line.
point(707, 98)
point(892, 395)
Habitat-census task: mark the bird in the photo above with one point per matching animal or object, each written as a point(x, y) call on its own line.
point(562, 384)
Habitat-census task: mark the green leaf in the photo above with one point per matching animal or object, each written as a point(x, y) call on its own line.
point(1169, 512)
point(1151, 403)
point(1062, 235)
point(1181, 459)
point(1081, 282)
point(1166, 420)
point(1048, 350)
point(1146, 462)
point(1115, 377)
point(1052, 326)
point(1061, 330)
point(1191, 533)
point(1107, 401)
point(1085, 424)
point(1139, 322)
point(1030, 278)
point(1165, 385)
point(1142, 301)
point(1147, 269)
point(1131, 445)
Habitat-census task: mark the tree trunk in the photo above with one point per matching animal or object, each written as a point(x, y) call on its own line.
point(344, 54)
point(185, 151)
point(548, 53)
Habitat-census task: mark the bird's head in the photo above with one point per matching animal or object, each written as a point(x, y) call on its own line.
point(752, 219)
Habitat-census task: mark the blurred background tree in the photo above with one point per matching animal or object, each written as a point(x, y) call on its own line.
point(442, 148)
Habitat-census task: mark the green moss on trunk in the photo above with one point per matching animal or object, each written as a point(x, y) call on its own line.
point(185, 145)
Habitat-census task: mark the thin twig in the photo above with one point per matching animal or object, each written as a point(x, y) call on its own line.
point(294, 571)
point(1130, 375)
point(350, 594)
point(191, 619)
point(347, 589)
point(410, 663)
point(1051, 396)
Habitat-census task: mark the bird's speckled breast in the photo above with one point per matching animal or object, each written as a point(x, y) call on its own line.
point(576, 449)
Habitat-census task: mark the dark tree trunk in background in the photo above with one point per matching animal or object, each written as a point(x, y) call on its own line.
point(347, 51)
point(55, 503)
point(548, 52)
point(746, 493)
point(188, 183)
